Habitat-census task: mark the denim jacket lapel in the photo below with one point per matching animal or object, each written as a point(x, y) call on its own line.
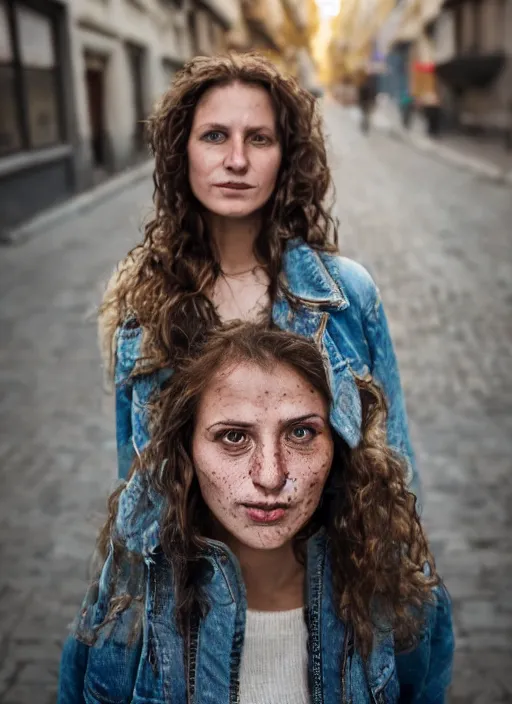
point(307, 277)
point(314, 294)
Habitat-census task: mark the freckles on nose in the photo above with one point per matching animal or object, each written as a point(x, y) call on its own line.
point(255, 466)
point(279, 462)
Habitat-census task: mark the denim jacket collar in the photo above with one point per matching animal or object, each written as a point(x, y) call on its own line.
point(307, 277)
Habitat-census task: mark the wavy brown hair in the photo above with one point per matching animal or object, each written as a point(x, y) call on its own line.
point(164, 281)
point(378, 549)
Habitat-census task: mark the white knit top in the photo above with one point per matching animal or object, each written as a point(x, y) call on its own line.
point(274, 667)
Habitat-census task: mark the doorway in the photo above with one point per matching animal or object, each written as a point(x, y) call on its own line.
point(136, 59)
point(95, 69)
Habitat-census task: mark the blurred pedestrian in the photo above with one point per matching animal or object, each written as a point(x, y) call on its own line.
point(406, 104)
point(432, 113)
point(240, 231)
point(291, 568)
point(367, 97)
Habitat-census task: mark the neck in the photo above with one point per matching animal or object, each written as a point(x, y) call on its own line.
point(274, 579)
point(234, 240)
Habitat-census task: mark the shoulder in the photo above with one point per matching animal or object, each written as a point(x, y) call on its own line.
point(352, 278)
point(325, 277)
point(112, 317)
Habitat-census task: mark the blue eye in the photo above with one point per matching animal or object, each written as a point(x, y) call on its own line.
point(213, 136)
point(302, 433)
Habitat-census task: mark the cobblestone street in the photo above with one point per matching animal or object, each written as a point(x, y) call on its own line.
point(439, 243)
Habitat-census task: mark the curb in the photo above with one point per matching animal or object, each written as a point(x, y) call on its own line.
point(76, 204)
point(480, 168)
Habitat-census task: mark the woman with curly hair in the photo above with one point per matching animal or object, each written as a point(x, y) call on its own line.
point(240, 232)
point(290, 568)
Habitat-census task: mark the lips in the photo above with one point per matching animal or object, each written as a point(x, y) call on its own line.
point(235, 186)
point(265, 514)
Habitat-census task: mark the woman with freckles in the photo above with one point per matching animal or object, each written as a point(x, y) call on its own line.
point(289, 568)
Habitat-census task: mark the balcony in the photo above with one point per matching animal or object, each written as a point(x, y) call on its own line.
point(265, 18)
point(472, 70)
point(226, 11)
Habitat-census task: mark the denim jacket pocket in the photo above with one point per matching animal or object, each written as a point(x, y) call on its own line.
point(93, 697)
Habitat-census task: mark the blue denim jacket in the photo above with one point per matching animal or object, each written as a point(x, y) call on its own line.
point(152, 669)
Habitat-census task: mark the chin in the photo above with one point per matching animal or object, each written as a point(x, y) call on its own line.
point(230, 212)
point(269, 538)
point(231, 208)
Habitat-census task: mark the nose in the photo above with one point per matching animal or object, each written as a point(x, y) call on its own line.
point(268, 470)
point(236, 159)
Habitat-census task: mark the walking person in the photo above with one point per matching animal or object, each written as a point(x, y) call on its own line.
point(406, 104)
point(240, 231)
point(367, 97)
point(290, 568)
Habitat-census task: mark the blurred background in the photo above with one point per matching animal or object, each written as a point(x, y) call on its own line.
point(417, 102)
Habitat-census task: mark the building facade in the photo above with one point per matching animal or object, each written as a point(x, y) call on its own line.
point(473, 57)
point(78, 78)
point(456, 56)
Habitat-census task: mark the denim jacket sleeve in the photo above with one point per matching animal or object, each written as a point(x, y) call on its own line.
point(73, 667)
point(426, 672)
point(100, 664)
point(384, 369)
point(134, 395)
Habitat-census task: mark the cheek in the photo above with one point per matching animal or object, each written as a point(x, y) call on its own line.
point(217, 485)
point(310, 476)
point(198, 166)
point(268, 170)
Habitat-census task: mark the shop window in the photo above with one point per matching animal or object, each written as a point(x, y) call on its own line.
point(29, 81)
point(43, 117)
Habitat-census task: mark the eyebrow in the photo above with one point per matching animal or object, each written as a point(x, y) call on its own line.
point(288, 421)
point(224, 128)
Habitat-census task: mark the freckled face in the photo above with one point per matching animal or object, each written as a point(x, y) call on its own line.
point(233, 150)
point(262, 449)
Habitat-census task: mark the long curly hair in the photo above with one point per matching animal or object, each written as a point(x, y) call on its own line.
point(164, 281)
point(379, 553)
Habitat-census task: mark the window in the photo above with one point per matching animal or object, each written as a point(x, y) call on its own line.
point(10, 135)
point(478, 27)
point(192, 31)
point(136, 61)
point(29, 80)
point(459, 29)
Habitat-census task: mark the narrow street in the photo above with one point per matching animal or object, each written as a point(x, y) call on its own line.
point(437, 240)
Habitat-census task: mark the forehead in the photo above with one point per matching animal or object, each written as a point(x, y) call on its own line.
point(247, 388)
point(235, 103)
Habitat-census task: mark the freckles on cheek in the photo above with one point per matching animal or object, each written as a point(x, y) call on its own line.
point(218, 488)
